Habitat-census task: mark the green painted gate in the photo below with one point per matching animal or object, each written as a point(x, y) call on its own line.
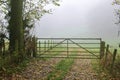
point(78, 48)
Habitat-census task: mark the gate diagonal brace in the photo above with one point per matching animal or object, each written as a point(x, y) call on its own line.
point(54, 46)
point(82, 48)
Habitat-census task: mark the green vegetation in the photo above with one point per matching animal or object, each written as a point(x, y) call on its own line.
point(105, 70)
point(103, 74)
point(9, 70)
point(17, 68)
point(19, 16)
point(61, 69)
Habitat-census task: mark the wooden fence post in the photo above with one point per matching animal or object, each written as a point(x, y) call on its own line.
point(113, 60)
point(35, 47)
point(3, 48)
point(102, 49)
point(107, 49)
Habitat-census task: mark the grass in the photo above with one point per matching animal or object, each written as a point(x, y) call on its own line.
point(61, 69)
point(103, 74)
point(49, 54)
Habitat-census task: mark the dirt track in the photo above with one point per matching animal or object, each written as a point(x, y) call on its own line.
point(81, 70)
point(39, 69)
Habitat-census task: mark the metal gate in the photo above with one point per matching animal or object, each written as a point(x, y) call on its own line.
point(82, 48)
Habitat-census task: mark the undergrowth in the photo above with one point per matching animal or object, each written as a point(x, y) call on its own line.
point(9, 70)
point(103, 74)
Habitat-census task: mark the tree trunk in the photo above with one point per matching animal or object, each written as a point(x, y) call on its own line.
point(16, 26)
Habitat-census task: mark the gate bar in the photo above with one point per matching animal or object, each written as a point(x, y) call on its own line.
point(71, 38)
point(54, 46)
point(83, 48)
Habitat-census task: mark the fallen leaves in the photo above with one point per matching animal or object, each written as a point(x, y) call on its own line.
point(38, 69)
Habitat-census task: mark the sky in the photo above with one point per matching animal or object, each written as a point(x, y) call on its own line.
point(80, 18)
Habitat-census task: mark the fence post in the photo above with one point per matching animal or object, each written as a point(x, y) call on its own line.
point(3, 48)
point(102, 49)
point(35, 46)
point(107, 49)
point(113, 60)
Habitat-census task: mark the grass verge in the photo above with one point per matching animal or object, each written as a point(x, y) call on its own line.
point(102, 73)
point(61, 69)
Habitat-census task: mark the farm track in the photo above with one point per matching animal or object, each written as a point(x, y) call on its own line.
point(81, 70)
point(38, 69)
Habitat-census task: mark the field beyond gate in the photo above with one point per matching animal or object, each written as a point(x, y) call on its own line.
point(82, 48)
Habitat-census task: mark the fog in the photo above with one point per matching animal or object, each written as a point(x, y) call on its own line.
point(80, 18)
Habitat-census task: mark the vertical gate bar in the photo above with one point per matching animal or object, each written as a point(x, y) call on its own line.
point(67, 48)
point(48, 45)
point(39, 47)
point(51, 44)
point(45, 46)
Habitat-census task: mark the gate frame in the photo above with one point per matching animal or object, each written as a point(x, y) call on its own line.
point(101, 53)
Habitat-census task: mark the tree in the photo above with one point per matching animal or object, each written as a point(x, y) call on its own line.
point(20, 15)
point(16, 26)
point(34, 9)
point(117, 11)
point(116, 2)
